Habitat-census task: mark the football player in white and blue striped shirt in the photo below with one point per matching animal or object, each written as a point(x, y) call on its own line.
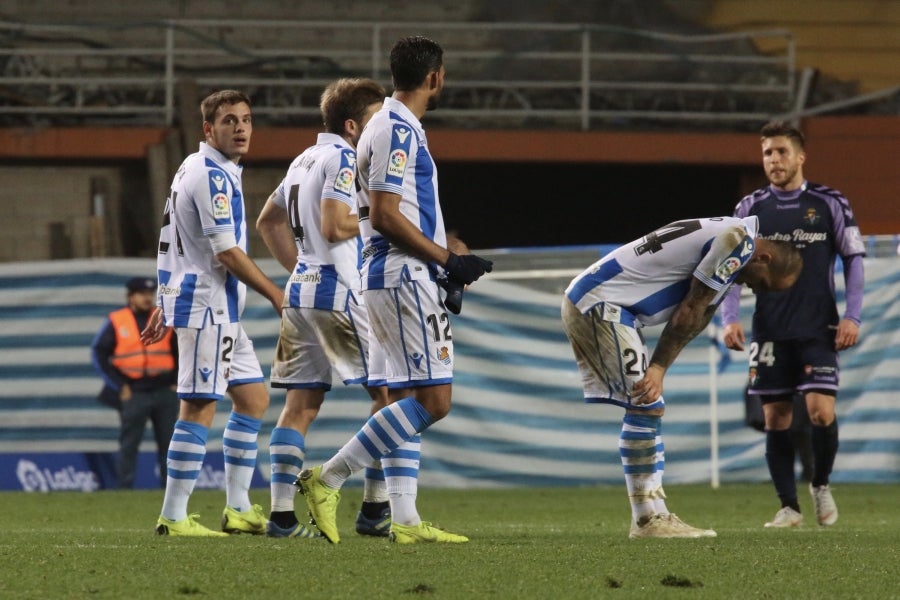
point(203, 271)
point(310, 225)
point(405, 253)
point(675, 275)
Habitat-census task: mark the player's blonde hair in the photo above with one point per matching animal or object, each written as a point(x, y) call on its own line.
point(348, 98)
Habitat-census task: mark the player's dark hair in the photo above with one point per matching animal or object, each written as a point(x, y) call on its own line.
point(786, 260)
point(348, 98)
point(783, 129)
point(211, 103)
point(412, 59)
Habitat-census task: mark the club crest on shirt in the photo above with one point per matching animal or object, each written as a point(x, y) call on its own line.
point(221, 207)
point(727, 268)
point(443, 355)
point(811, 216)
point(754, 376)
point(397, 163)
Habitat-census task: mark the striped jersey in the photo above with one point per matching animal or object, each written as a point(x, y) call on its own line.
point(195, 289)
point(650, 276)
point(819, 221)
point(394, 157)
point(326, 272)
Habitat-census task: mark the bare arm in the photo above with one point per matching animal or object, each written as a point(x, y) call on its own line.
point(275, 230)
point(389, 221)
point(242, 266)
point(338, 223)
point(690, 318)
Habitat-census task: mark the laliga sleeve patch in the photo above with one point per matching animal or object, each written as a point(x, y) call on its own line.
point(401, 138)
point(343, 181)
point(728, 268)
point(218, 188)
point(221, 207)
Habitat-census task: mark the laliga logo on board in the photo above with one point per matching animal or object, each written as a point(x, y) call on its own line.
point(35, 479)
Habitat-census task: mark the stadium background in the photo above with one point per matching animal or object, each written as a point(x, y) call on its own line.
point(82, 197)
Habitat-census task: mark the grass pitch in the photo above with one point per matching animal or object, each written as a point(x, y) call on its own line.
point(526, 543)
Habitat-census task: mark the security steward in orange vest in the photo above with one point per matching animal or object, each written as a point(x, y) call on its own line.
point(139, 380)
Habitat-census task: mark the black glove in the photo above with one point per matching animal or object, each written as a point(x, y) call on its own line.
point(454, 298)
point(466, 268)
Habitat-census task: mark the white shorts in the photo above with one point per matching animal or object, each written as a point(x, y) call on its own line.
point(213, 358)
point(611, 356)
point(314, 342)
point(411, 344)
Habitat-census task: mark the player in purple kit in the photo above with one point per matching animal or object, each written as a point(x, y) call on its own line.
point(797, 333)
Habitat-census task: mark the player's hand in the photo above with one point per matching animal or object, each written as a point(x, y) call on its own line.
point(466, 268)
point(125, 393)
point(733, 336)
point(278, 302)
point(650, 388)
point(155, 330)
point(847, 334)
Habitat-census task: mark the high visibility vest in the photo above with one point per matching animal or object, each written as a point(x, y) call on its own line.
point(130, 356)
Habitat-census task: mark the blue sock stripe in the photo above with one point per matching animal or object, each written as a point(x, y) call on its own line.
point(380, 432)
point(285, 436)
point(639, 469)
point(174, 474)
point(288, 478)
point(181, 455)
point(368, 444)
point(228, 442)
point(286, 459)
point(374, 474)
point(395, 423)
point(648, 421)
point(638, 435)
point(192, 433)
point(637, 452)
point(415, 412)
point(243, 423)
point(405, 453)
point(402, 472)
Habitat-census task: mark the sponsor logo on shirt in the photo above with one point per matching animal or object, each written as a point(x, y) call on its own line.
point(165, 290)
point(402, 134)
point(306, 278)
point(218, 181)
point(221, 206)
point(397, 163)
point(799, 236)
point(727, 268)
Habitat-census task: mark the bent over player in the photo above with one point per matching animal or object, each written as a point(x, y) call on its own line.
point(676, 275)
point(797, 334)
point(203, 272)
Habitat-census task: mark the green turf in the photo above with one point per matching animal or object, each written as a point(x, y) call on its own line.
point(526, 543)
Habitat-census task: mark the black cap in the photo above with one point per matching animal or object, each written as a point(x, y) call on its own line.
point(140, 284)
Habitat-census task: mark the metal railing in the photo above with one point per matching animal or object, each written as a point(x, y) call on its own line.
point(499, 74)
